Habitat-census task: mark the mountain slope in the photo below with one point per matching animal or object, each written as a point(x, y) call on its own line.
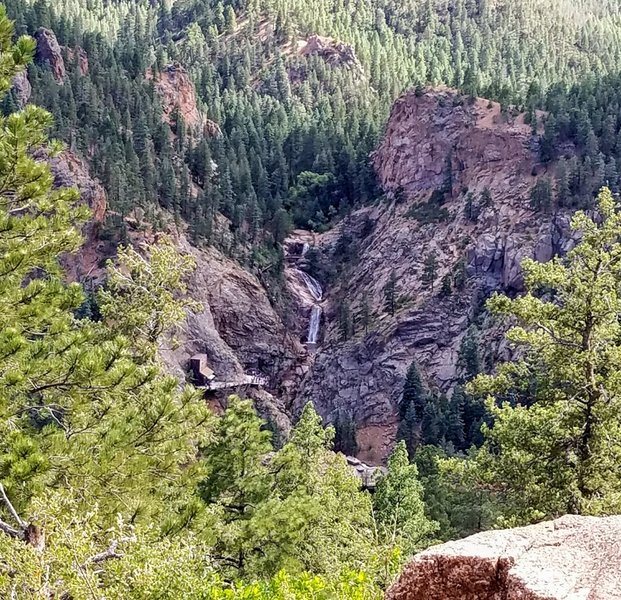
point(230, 123)
point(459, 178)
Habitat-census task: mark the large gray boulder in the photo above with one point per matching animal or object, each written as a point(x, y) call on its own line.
point(571, 558)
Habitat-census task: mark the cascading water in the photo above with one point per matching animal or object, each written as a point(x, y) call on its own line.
point(313, 325)
point(313, 286)
point(316, 291)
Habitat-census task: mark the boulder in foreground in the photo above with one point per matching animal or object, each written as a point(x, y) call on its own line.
point(571, 558)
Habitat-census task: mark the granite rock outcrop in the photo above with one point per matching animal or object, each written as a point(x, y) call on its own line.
point(335, 53)
point(573, 557)
point(177, 92)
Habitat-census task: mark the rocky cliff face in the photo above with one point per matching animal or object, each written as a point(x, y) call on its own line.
point(22, 88)
point(572, 557)
point(71, 171)
point(49, 52)
point(177, 92)
point(79, 55)
point(458, 176)
point(238, 329)
point(427, 132)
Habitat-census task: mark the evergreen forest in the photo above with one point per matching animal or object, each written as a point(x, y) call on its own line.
point(116, 480)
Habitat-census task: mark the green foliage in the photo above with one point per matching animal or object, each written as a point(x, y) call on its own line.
point(453, 496)
point(551, 448)
point(430, 269)
point(431, 211)
point(144, 566)
point(413, 391)
point(299, 508)
point(541, 195)
point(430, 417)
point(365, 316)
point(398, 505)
point(92, 440)
point(15, 56)
point(346, 323)
point(74, 406)
point(349, 586)
point(446, 287)
point(284, 116)
point(345, 434)
point(311, 199)
point(152, 293)
point(98, 445)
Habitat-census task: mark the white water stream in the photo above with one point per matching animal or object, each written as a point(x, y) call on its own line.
point(316, 291)
point(313, 325)
point(313, 286)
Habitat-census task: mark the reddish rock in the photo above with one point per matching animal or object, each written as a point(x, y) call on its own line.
point(82, 59)
point(212, 129)
point(177, 91)
point(572, 558)
point(71, 171)
point(49, 52)
point(427, 130)
point(364, 375)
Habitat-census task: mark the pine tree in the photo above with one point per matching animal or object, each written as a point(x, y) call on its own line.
point(84, 425)
point(299, 507)
point(413, 392)
point(471, 210)
point(390, 294)
point(541, 195)
point(346, 324)
point(459, 275)
point(345, 434)
point(430, 269)
point(486, 200)
point(409, 430)
point(230, 21)
point(563, 194)
point(469, 358)
point(447, 285)
point(398, 505)
point(148, 288)
point(365, 314)
point(567, 340)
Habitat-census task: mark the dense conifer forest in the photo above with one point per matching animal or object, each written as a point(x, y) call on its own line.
point(117, 482)
point(294, 150)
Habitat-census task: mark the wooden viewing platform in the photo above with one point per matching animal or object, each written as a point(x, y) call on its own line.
point(206, 379)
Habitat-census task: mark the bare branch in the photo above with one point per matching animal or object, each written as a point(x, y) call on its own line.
point(11, 531)
point(109, 554)
point(11, 508)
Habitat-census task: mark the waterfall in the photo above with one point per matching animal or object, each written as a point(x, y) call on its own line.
point(313, 286)
point(313, 326)
point(305, 249)
point(316, 291)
